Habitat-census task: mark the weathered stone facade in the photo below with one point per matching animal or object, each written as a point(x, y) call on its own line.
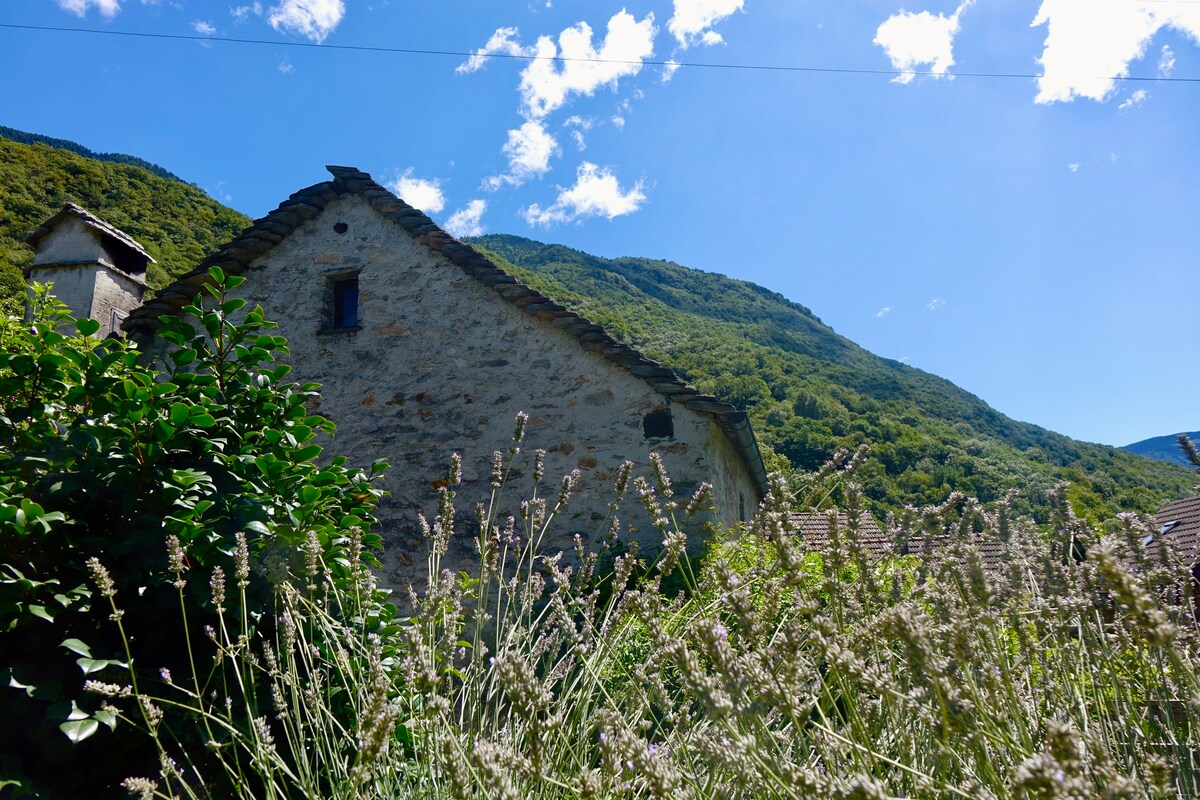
point(439, 356)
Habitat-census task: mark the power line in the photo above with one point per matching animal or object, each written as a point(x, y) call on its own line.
point(564, 59)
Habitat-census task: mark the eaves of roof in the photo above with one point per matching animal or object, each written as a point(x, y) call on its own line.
point(237, 256)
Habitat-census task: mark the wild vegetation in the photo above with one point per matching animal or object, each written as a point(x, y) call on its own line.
point(176, 519)
point(811, 392)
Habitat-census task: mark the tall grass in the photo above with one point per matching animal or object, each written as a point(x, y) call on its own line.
point(980, 656)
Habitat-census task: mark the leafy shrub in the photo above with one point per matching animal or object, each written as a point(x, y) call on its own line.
point(104, 460)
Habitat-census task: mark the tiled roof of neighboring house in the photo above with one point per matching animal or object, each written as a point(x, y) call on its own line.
point(813, 527)
point(236, 257)
point(992, 552)
point(92, 221)
point(1179, 525)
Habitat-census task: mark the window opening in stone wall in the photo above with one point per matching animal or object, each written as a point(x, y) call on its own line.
point(345, 302)
point(658, 424)
point(741, 507)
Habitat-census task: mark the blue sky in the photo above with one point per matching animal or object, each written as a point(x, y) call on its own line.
point(1035, 241)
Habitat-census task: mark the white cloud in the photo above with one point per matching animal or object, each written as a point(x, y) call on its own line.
point(529, 149)
point(912, 41)
point(466, 221)
point(1166, 61)
point(935, 304)
point(693, 20)
point(203, 28)
point(576, 126)
point(1091, 42)
point(668, 71)
point(1073, 166)
point(107, 8)
point(314, 19)
point(240, 13)
point(883, 312)
point(419, 193)
point(502, 41)
point(286, 67)
point(618, 120)
point(1135, 99)
point(547, 84)
point(220, 194)
point(596, 193)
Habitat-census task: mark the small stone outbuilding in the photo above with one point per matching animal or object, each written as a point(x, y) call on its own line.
point(424, 347)
point(96, 269)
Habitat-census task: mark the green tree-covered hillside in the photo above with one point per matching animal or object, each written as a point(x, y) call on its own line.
point(811, 392)
point(176, 222)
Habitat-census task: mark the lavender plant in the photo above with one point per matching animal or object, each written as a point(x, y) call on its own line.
point(978, 655)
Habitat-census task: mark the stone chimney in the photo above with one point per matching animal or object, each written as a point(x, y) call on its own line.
point(96, 269)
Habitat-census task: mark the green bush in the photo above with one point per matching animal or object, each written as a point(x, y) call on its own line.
point(105, 461)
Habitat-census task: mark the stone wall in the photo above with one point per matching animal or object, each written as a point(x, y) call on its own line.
point(71, 242)
point(440, 364)
point(73, 285)
point(115, 295)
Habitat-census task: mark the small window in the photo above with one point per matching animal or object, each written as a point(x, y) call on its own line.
point(658, 424)
point(345, 302)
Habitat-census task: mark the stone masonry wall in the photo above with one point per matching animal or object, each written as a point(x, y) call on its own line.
point(113, 292)
point(439, 364)
point(74, 285)
point(72, 242)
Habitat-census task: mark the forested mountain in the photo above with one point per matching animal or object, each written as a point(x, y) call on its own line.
point(176, 222)
point(23, 137)
point(1163, 448)
point(811, 392)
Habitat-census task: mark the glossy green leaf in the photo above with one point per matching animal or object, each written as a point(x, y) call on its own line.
point(77, 647)
point(78, 730)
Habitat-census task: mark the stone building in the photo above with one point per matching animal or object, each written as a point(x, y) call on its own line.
point(425, 347)
point(96, 269)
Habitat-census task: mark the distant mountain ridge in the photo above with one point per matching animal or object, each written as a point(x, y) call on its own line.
point(1163, 448)
point(25, 137)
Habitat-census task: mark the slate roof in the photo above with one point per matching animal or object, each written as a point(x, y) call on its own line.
point(236, 257)
point(813, 528)
point(106, 231)
point(1179, 524)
